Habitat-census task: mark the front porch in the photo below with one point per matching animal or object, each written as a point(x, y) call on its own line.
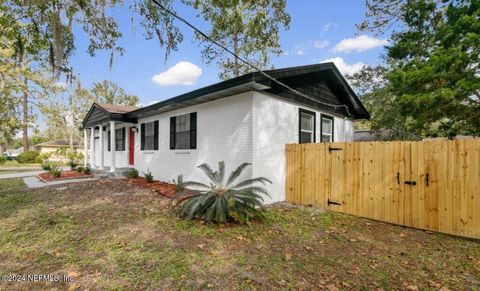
point(109, 139)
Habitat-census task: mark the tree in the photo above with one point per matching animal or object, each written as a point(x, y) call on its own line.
point(435, 67)
point(54, 22)
point(20, 83)
point(110, 92)
point(433, 62)
point(374, 90)
point(64, 111)
point(249, 27)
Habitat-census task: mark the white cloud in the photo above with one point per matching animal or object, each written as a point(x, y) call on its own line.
point(360, 43)
point(343, 67)
point(301, 48)
point(183, 73)
point(329, 26)
point(321, 44)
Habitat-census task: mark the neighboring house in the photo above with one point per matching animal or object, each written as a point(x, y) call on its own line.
point(245, 119)
point(53, 146)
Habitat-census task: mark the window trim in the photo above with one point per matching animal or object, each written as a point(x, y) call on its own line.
point(155, 135)
point(314, 114)
point(325, 116)
point(192, 131)
point(122, 130)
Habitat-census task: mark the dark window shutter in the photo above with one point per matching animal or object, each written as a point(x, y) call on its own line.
point(123, 138)
point(108, 137)
point(142, 136)
point(172, 132)
point(155, 135)
point(193, 130)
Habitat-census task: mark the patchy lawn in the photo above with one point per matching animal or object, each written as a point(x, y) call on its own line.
point(114, 235)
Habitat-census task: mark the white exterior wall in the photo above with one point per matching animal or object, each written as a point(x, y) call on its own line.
point(275, 123)
point(251, 127)
point(224, 133)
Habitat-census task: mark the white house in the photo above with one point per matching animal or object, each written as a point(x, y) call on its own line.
point(245, 119)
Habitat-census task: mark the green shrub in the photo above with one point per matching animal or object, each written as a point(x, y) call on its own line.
point(148, 176)
point(132, 173)
point(79, 169)
point(46, 166)
point(222, 202)
point(2, 160)
point(87, 170)
point(27, 157)
point(55, 170)
point(73, 164)
point(180, 185)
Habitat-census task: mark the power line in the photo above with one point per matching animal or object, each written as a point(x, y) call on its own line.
point(335, 106)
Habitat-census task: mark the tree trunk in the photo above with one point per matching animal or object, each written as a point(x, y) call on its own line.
point(236, 68)
point(25, 118)
point(2, 149)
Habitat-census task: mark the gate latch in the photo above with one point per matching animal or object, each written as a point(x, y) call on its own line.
point(413, 183)
point(333, 202)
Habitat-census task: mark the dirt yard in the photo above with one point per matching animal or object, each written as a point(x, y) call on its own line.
point(115, 235)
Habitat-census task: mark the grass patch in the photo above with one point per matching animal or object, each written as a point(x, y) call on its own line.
point(116, 236)
point(6, 184)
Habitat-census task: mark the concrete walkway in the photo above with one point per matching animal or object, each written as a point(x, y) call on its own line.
point(21, 174)
point(34, 182)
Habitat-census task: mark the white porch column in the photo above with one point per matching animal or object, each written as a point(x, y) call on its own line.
point(92, 146)
point(101, 147)
point(85, 147)
point(112, 146)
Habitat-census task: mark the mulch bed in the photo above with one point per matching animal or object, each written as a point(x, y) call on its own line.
point(64, 175)
point(163, 188)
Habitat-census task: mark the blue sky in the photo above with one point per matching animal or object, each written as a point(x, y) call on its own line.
point(319, 30)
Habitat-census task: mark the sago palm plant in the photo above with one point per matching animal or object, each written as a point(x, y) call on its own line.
point(225, 201)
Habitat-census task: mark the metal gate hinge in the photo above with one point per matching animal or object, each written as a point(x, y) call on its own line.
point(333, 202)
point(330, 149)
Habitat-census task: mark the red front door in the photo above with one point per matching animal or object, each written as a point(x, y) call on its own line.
point(131, 147)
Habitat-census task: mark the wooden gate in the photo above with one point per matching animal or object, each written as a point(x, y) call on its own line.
point(432, 185)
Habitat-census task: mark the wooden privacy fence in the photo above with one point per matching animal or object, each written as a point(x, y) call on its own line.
point(433, 185)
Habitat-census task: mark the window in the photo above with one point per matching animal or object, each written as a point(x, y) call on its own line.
point(149, 136)
point(120, 139)
point(306, 129)
point(108, 140)
point(326, 128)
point(183, 131)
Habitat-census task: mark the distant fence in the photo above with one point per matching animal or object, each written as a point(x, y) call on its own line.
point(433, 185)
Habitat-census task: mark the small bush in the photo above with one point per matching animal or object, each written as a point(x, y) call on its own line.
point(87, 170)
point(148, 176)
point(73, 164)
point(180, 185)
point(132, 173)
point(27, 157)
point(2, 160)
point(55, 170)
point(46, 166)
point(79, 169)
